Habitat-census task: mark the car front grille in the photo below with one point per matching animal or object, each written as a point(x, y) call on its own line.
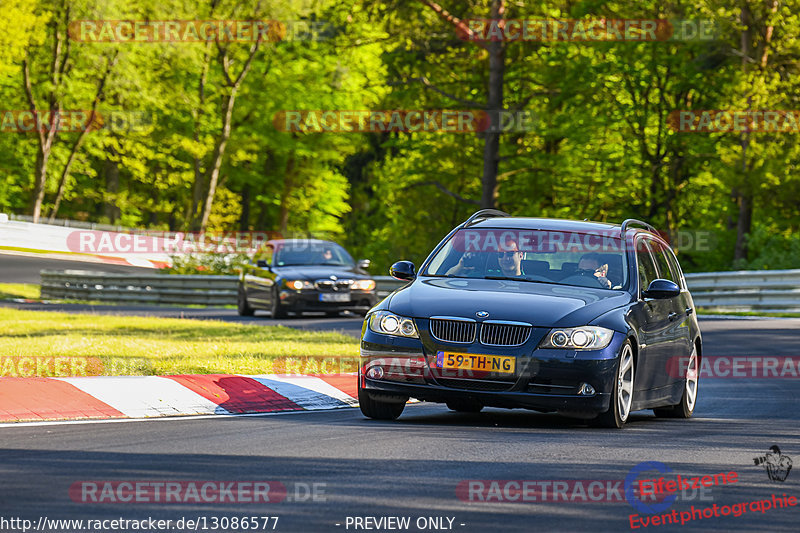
point(328, 285)
point(504, 334)
point(453, 330)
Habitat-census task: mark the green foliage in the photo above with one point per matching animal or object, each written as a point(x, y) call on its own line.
point(211, 263)
point(601, 145)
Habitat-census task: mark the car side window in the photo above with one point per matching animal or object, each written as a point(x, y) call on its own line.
point(660, 255)
point(676, 269)
point(645, 265)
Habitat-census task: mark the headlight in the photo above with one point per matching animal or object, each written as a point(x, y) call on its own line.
point(391, 324)
point(582, 338)
point(363, 285)
point(299, 284)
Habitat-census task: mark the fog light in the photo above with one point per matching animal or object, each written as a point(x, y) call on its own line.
point(586, 390)
point(375, 372)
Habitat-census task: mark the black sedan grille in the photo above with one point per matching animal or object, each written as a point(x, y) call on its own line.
point(450, 330)
point(328, 285)
point(504, 334)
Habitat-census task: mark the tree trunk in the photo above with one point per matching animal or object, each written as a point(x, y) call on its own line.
point(288, 185)
point(216, 162)
point(219, 150)
point(494, 104)
point(111, 173)
point(244, 218)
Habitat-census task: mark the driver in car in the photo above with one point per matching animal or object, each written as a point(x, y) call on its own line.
point(509, 261)
point(590, 263)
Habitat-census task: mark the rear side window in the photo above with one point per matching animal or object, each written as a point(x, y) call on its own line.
point(660, 255)
point(676, 268)
point(645, 265)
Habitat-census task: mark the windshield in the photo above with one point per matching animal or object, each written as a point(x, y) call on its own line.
point(312, 253)
point(566, 258)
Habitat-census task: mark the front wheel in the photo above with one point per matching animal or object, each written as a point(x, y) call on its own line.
point(622, 395)
point(242, 306)
point(686, 407)
point(377, 409)
point(277, 310)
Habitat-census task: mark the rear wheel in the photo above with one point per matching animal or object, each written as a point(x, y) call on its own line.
point(242, 306)
point(277, 310)
point(689, 397)
point(377, 409)
point(622, 395)
point(464, 406)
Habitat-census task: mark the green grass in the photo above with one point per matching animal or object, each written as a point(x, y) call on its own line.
point(28, 291)
point(702, 311)
point(126, 345)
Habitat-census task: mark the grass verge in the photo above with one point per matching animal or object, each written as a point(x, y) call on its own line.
point(128, 345)
point(701, 311)
point(29, 291)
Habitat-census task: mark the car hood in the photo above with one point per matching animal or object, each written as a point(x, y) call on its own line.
point(314, 272)
point(540, 304)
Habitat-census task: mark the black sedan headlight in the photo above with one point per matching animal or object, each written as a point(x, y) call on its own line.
point(298, 284)
point(580, 338)
point(391, 324)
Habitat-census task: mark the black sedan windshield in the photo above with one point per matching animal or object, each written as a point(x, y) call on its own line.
point(312, 253)
point(568, 258)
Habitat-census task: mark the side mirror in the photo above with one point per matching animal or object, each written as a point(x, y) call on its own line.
point(363, 264)
point(403, 270)
point(262, 263)
point(661, 289)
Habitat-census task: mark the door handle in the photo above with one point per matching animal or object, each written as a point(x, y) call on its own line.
point(672, 316)
point(689, 311)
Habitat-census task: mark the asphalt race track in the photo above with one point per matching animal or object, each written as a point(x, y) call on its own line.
point(25, 269)
point(341, 470)
point(412, 467)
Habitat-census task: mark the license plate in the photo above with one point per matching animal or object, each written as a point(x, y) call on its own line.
point(470, 361)
point(335, 297)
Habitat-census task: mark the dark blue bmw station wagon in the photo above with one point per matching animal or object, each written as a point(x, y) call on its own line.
point(586, 319)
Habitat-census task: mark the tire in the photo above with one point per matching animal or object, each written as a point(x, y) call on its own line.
point(622, 394)
point(332, 314)
point(685, 408)
point(276, 309)
point(242, 306)
point(464, 406)
point(376, 409)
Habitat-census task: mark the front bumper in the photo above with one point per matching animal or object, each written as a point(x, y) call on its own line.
point(544, 380)
point(309, 300)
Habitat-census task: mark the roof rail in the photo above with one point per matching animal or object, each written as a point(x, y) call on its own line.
point(635, 222)
point(484, 213)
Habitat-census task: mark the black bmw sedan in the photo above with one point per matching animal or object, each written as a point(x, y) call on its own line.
point(586, 319)
point(297, 275)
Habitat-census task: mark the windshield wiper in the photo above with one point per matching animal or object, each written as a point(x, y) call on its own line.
point(510, 278)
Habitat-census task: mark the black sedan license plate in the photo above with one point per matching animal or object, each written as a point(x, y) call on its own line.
point(335, 297)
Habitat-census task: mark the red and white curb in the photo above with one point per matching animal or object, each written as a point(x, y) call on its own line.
point(121, 397)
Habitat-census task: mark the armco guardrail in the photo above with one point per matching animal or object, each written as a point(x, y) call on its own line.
point(155, 288)
point(746, 290)
point(756, 290)
point(386, 284)
point(149, 288)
